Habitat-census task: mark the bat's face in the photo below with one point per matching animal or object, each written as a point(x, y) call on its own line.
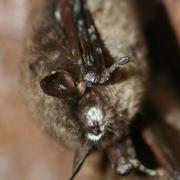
point(91, 114)
point(86, 105)
point(99, 119)
point(101, 123)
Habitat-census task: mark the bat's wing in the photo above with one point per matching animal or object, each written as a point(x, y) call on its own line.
point(84, 42)
point(51, 36)
point(81, 34)
point(91, 47)
point(164, 140)
point(70, 30)
point(79, 158)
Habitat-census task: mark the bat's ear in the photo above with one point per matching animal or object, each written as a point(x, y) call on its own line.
point(59, 84)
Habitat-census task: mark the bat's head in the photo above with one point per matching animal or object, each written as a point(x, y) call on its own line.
point(102, 119)
point(94, 114)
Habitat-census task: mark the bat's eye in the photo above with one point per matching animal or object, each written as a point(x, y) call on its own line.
point(59, 84)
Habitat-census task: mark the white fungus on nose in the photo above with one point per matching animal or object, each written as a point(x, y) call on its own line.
point(94, 114)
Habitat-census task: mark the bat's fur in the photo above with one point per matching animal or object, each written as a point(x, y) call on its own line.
point(122, 97)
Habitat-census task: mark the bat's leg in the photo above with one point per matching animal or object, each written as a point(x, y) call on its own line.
point(123, 161)
point(108, 71)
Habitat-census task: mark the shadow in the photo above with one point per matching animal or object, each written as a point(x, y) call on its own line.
point(162, 45)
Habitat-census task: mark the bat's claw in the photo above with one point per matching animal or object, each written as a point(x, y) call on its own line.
point(126, 166)
point(108, 72)
point(137, 165)
point(120, 62)
point(94, 78)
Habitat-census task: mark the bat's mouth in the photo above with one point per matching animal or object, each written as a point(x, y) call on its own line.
point(95, 133)
point(94, 138)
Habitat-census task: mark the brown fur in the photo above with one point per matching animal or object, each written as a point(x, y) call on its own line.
point(119, 30)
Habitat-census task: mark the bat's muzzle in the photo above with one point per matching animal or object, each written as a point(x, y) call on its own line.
point(94, 124)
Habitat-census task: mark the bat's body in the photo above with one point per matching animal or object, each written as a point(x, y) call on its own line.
point(69, 80)
point(120, 97)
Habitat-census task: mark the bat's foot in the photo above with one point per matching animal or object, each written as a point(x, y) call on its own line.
point(120, 62)
point(125, 166)
point(94, 78)
point(124, 162)
point(108, 72)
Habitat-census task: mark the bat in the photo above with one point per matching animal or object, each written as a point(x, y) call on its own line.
point(79, 91)
point(57, 66)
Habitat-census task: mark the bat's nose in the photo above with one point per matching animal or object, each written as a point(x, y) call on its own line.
point(94, 122)
point(94, 118)
point(95, 128)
